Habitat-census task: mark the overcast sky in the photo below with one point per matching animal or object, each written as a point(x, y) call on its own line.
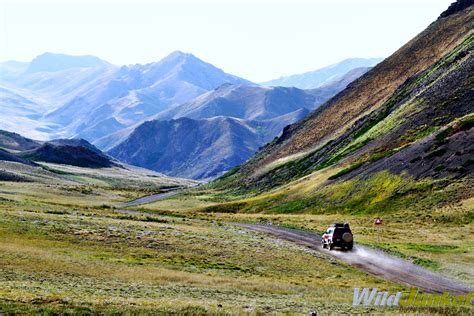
point(258, 40)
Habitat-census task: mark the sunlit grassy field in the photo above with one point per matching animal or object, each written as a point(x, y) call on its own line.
point(440, 239)
point(73, 253)
point(67, 247)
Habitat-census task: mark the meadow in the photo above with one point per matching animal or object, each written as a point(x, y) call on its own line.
point(68, 248)
point(87, 258)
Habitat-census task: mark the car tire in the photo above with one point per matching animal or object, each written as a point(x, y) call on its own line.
point(349, 247)
point(330, 246)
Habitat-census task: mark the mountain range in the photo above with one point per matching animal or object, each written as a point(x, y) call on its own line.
point(90, 98)
point(61, 96)
point(244, 117)
point(320, 77)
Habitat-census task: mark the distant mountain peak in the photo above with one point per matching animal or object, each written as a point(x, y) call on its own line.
point(319, 77)
point(179, 53)
point(179, 57)
point(51, 62)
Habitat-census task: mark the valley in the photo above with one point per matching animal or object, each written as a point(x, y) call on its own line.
point(173, 187)
point(189, 259)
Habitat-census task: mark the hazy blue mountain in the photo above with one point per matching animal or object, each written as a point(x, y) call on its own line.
point(271, 128)
point(60, 96)
point(247, 117)
point(83, 96)
point(22, 111)
point(189, 148)
point(341, 82)
point(14, 102)
point(49, 62)
point(111, 140)
point(215, 131)
point(246, 102)
point(227, 125)
point(12, 68)
point(137, 92)
point(317, 78)
point(60, 87)
point(26, 97)
point(242, 102)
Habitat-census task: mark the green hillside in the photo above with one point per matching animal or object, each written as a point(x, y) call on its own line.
point(414, 150)
point(425, 59)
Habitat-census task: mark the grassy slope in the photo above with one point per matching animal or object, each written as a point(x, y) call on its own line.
point(416, 147)
point(419, 107)
point(63, 248)
point(59, 253)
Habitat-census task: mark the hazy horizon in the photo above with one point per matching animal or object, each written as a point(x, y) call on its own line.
point(297, 36)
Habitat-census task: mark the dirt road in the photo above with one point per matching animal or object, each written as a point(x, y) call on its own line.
point(370, 260)
point(149, 199)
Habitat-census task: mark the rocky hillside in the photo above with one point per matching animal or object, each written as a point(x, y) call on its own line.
point(377, 145)
point(364, 97)
point(7, 156)
point(456, 7)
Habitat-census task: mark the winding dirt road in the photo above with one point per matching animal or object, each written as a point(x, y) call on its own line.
point(370, 260)
point(364, 258)
point(149, 198)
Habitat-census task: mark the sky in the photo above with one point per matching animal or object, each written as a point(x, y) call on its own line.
point(258, 40)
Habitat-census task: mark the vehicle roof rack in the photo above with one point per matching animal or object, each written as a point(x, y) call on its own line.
point(340, 225)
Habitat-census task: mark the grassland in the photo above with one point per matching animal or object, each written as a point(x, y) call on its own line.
point(69, 254)
point(64, 247)
point(437, 237)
